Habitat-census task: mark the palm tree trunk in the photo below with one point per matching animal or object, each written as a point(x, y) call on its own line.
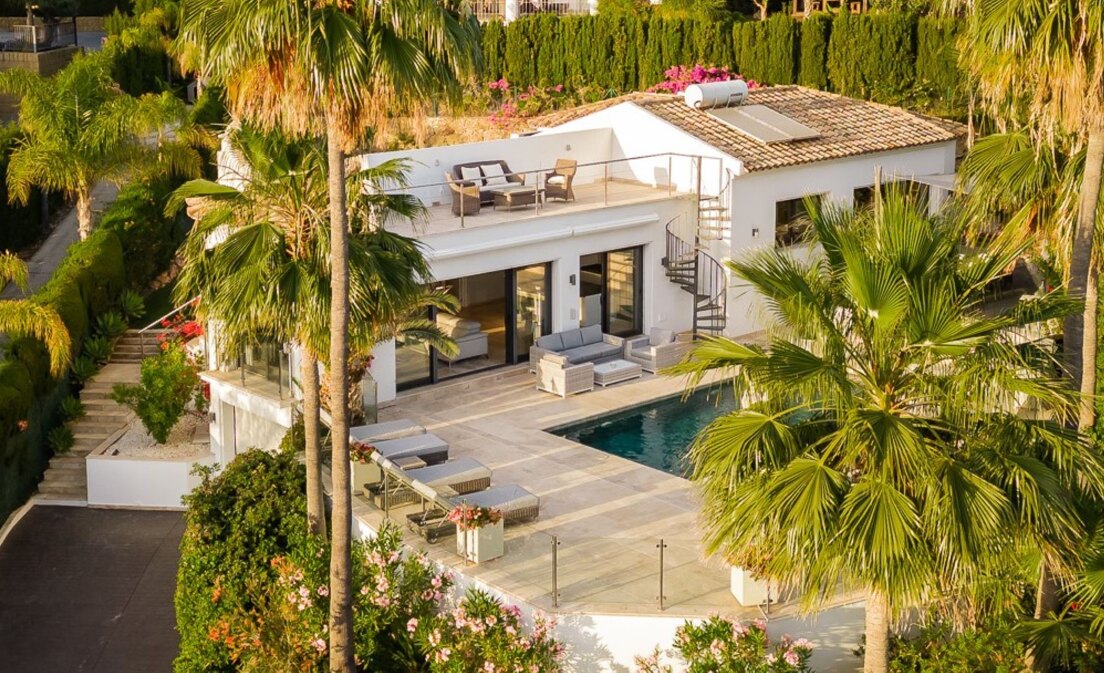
point(341, 616)
point(876, 656)
point(1080, 330)
point(316, 506)
point(84, 213)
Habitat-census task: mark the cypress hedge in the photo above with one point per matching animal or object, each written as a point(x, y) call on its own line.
point(883, 56)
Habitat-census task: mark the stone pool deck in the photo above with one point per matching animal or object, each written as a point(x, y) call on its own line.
point(608, 513)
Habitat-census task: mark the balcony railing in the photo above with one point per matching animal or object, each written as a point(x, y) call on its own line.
point(40, 37)
point(487, 10)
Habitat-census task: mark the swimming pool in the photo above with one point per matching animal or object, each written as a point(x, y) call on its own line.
point(656, 434)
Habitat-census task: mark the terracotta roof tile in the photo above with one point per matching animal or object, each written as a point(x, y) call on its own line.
point(847, 126)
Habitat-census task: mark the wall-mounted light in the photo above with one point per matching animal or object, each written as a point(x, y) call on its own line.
point(571, 279)
point(567, 147)
point(755, 233)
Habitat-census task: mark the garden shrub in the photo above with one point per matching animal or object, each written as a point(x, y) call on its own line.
point(23, 224)
point(939, 649)
point(725, 644)
point(493, 45)
point(150, 237)
point(168, 382)
point(237, 522)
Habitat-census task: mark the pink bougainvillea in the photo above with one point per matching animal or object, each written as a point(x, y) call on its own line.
point(677, 78)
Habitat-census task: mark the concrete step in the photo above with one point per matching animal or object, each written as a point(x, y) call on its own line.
point(66, 462)
point(69, 491)
point(65, 477)
point(62, 499)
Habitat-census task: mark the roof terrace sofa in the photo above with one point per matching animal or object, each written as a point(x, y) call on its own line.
point(487, 175)
point(586, 344)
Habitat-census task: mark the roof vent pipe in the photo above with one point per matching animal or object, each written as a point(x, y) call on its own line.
point(716, 94)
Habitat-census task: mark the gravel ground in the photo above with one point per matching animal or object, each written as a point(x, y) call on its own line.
point(181, 443)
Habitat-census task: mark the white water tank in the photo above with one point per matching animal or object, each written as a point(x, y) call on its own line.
point(716, 94)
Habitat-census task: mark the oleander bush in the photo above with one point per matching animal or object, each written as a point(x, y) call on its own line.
point(168, 381)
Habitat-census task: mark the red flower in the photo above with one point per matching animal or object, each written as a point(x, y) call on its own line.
point(22, 424)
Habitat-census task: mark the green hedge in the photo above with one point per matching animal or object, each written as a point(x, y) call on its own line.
point(133, 242)
point(20, 225)
point(883, 56)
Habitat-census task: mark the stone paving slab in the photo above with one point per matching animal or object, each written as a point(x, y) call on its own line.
point(89, 591)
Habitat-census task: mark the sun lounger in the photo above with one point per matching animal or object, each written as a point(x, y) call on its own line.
point(429, 447)
point(463, 475)
point(515, 503)
point(379, 432)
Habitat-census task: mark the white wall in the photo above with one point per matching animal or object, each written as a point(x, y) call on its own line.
point(245, 417)
point(754, 196)
point(130, 481)
point(530, 153)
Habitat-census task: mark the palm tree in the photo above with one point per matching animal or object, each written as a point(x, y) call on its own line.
point(887, 440)
point(1043, 61)
point(79, 129)
point(269, 273)
point(332, 67)
point(25, 317)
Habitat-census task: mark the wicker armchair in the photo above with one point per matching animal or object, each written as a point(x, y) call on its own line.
point(556, 375)
point(465, 198)
point(657, 351)
point(557, 183)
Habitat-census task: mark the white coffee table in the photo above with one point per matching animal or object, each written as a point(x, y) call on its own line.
point(616, 371)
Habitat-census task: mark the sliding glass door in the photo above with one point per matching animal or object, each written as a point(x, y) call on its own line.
point(532, 308)
point(611, 291)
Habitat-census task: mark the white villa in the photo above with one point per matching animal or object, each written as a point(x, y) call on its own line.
point(611, 223)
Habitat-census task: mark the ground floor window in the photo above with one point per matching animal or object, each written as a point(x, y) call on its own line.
point(791, 220)
point(611, 291)
point(500, 315)
point(921, 193)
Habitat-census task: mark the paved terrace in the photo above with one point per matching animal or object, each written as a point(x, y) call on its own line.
point(608, 513)
point(592, 196)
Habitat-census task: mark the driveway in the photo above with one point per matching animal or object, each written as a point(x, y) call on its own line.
point(90, 591)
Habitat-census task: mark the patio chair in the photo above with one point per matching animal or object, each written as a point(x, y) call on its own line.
point(463, 475)
point(378, 432)
point(661, 348)
point(465, 198)
point(516, 504)
point(557, 375)
point(557, 183)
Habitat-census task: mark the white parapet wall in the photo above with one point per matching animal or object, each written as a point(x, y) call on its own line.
point(144, 483)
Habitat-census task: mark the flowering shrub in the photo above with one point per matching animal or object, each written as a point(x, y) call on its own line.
point(677, 78)
point(359, 452)
point(509, 104)
point(720, 645)
point(483, 636)
point(180, 331)
point(169, 381)
point(470, 517)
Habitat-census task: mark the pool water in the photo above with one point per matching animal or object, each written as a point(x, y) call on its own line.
point(657, 434)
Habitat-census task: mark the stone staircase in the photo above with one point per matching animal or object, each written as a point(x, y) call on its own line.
point(66, 479)
point(129, 346)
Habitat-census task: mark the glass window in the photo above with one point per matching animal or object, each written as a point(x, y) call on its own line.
point(533, 310)
point(623, 283)
point(791, 220)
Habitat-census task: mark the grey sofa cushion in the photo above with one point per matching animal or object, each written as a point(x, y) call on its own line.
point(550, 342)
point(658, 336)
point(644, 353)
point(592, 352)
point(572, 338)
point(592, 334)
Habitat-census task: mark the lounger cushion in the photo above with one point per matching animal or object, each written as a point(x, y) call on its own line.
point(551, 342)
point(387, 430)
point(424, 446)
point(658, 337)
point(452, 472)
point(493, 175)
point(572, 338)
point(472, 174)
point(505, 497)
point(592, 334)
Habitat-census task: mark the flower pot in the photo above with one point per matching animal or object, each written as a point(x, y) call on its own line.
point(748, 589)
point(364, 473)
point(481, 544)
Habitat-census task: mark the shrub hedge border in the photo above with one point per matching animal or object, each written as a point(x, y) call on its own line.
point(883, 56)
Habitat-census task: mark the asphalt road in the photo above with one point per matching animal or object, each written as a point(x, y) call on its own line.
point(89, 591)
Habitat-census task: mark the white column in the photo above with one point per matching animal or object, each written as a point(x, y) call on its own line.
point(511, 11)
point(592, 5)
point(383, 370)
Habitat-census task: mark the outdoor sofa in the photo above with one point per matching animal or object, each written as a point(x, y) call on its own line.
point(487, 176)
point(468, 335)
point(585, 344)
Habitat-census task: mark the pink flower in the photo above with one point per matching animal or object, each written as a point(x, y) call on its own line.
point(802, 644)
point(442, 655)
point(412, 625)
point(791, 658)
point(319, 645)
point(434, 638)
point(771, 658)
point(436, 582)
point(491, 620)
point(323, 590)
point(489, 667)
point(716, 649)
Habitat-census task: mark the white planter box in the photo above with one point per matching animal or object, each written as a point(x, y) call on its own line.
point(482, 544)
point(364, 473)
point(748, 589)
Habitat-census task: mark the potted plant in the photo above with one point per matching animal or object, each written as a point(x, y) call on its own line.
point(364, 469)
point(479, 532)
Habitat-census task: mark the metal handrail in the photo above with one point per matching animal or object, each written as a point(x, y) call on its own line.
point(540, 171)
point(178, 309)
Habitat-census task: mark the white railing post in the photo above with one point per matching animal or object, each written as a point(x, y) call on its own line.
point(511, 11)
